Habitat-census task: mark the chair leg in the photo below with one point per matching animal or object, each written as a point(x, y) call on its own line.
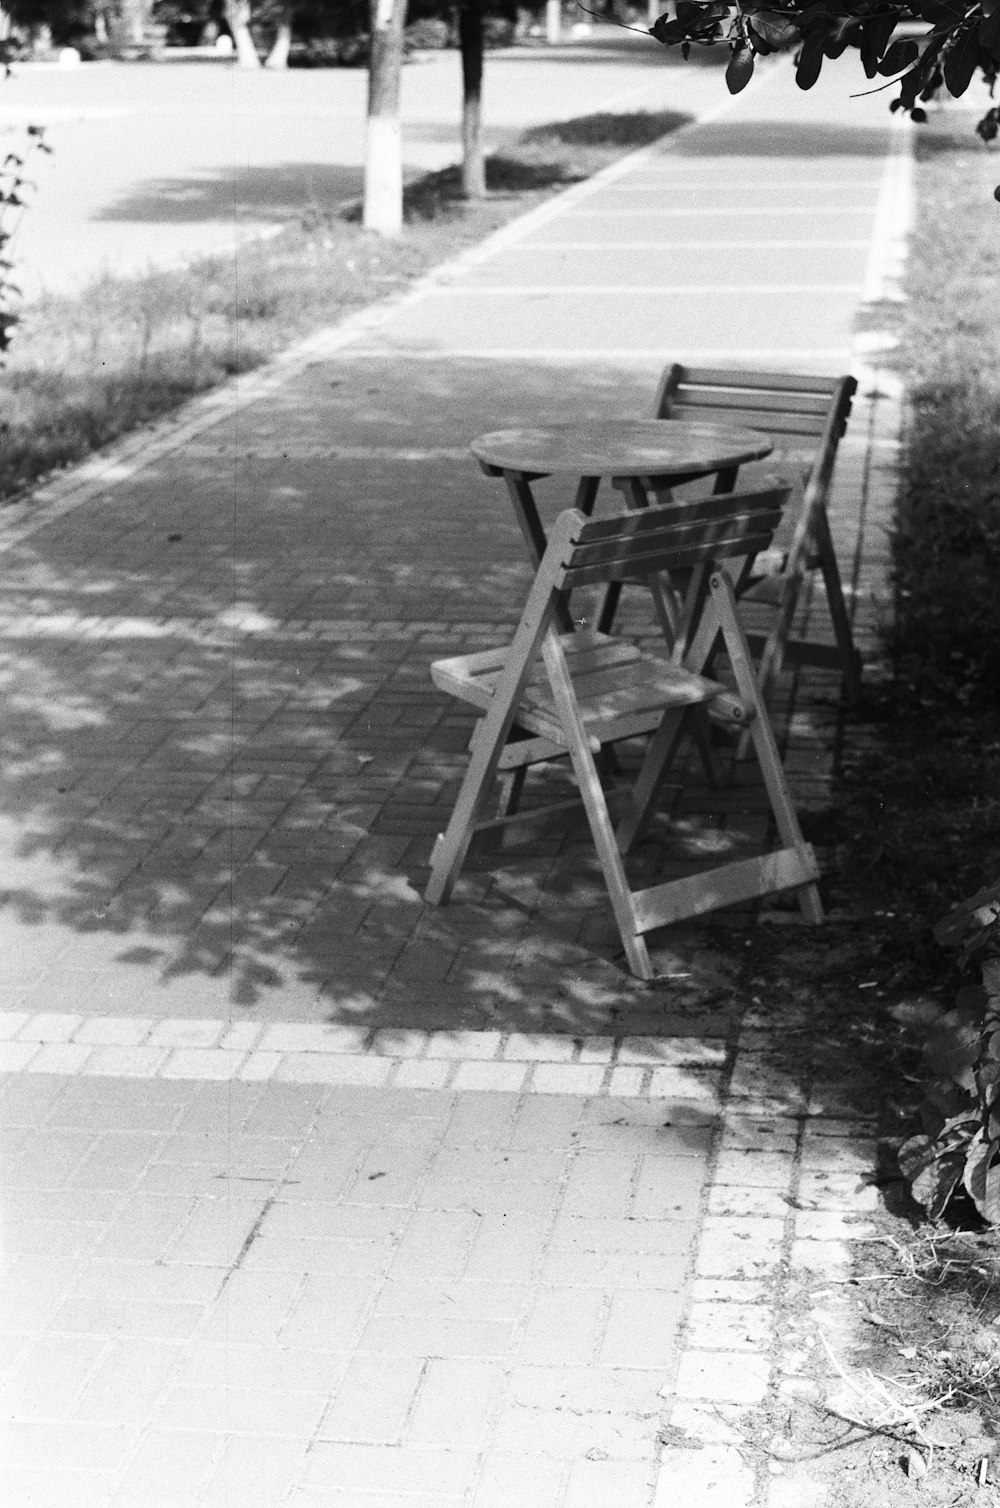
point(596, 807)
point(849, 658)
point(660, 755)
point(762, 736)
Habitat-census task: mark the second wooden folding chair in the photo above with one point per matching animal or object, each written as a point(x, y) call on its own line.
point(806, 416)
point(548, 695)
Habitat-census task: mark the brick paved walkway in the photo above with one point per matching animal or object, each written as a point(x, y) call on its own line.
point(313, 1195)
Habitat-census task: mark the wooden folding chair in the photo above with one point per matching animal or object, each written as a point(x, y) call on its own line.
point(548, 695)
point(806, 416)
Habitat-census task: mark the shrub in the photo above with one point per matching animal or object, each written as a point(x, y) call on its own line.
point(960, 1143)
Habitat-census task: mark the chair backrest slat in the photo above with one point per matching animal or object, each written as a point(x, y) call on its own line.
point(647, 541)
point(781, 403)
point(633, 565)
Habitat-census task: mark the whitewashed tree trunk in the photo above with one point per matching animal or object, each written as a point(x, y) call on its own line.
point(383, 207)
point(470, 33)
point(553, 20)
point(238, 16)
point(280, 48)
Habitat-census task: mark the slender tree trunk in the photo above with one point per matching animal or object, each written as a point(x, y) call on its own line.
point(470, 35)
point(553, 20)
point(238, 16)
point(383, 211)
point(282, 44)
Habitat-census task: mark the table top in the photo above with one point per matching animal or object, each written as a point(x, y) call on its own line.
point(633, 447)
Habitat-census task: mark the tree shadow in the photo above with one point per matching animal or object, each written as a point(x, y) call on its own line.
point(223, 760)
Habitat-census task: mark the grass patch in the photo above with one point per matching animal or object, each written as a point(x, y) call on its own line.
point(915, 825)
point(89, 368)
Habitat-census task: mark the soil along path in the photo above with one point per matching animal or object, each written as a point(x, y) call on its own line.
point(446, 1185)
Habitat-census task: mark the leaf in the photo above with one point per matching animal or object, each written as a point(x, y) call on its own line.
point(810, 61)
point(739, 70)
point(875, 34)
point(989, 34)
point(990, 1207)
point(898, 57)
point(775, 30)
point(934, 1186)
point(840, 36)
point(977, 1163)
point(961, 63)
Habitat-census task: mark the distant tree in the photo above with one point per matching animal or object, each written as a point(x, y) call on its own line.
point(238, 18)
point(470, 32)
point(383, 198)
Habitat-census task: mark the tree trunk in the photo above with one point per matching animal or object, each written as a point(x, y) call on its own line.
point(281, 46)
point(470, 36)
point(238, 16)
point(383, 211)
point(553, 20)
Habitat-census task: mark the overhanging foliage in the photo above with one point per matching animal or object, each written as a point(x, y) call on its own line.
point(958, 41)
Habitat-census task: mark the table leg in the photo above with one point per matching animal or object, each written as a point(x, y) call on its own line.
point(725, 480)
point(526, 513)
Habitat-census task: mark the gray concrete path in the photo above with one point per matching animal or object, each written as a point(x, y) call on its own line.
point(155, 163)
point(312, 1195)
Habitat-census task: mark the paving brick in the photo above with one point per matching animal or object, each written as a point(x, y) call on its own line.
point(595, 1484)
point(253, 1307)
point(248, 1410)
point(422, 1074)
point(460, 1301)
point(482, 1120)
point(183, 1032)
point(15, 1055)
point(66, 1445)
point(533, 1047)
point(729, 1326)
point(50, 1026)
point(715, 1477)
point(260, 1066)
point(308, 1037)
point(668, 1188)
point(641, 1329)
point(50, 1376)
point(59, 1057)
point(144, 1228)
point(504, 1247)
point(331, 1068)
point(567, 1078)
point(723, 1376)
point(564, 1327)
point(744, 1168)
point(505, 1077)
point(373, 1400)
point(254, 1473)
point(600, 1185)
point(457, 1403)
point(169, 1465)
point(531, 1481)
point(739, 1248)
point(702, 1086)
point(126, 1385)
point(408, 1469)
point(125, 1061)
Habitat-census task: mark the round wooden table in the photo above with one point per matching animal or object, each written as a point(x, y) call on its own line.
point(634, 454)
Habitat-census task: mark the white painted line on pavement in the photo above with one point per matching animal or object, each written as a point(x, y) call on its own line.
point(646, 290)
point(736, 211)
point(893, 218)
point(672, 245)
point(613, 355)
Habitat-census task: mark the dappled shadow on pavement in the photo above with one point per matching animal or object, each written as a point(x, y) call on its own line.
point(224, 763)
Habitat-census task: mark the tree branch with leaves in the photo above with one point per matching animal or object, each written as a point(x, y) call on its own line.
point(961, 41)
